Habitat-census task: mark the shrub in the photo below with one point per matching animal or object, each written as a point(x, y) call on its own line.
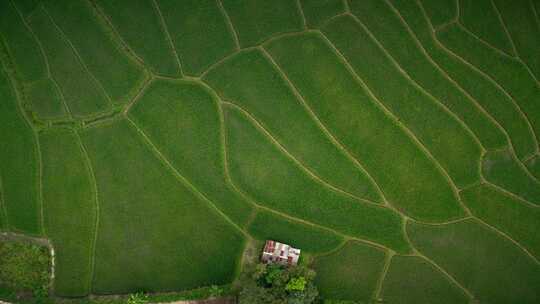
point(215, 291)
point(137, 298)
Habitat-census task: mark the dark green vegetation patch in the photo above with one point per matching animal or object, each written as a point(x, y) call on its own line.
point(25, 270)
point(396, 142)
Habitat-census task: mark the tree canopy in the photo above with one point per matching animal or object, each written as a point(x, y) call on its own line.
point(274, 284)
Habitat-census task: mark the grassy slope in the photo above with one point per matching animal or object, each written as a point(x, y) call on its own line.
point(502, 169)
point(257, 20)
point(533, 165)
point(69, 208)
point(30, 65)
point(45, 99)
point(443, 135)
point(275, 181)
point(18, 164)
point(388, 28)
point(413, 280)
point(536, 8)
point(82, 94)
point(118, 74)
point(139, 24)
point(512, 216)
point(361, 126)
point(22, 46)
point(441, 11)
point(350, 273)
point(26, 7)
point(524, 30)
point(508, 72)
point(3, 222)
point(480, 17)
point(255, 85)
point(199, 32)
point(3, 214)
point(317, 12)
point(182, 119)
point(481, 260)
point(482, 90)
point(146, 212)
point(271, 226)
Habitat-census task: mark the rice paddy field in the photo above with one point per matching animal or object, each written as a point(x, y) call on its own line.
point(396, 142)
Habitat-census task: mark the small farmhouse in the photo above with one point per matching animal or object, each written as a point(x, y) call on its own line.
point(279, 253)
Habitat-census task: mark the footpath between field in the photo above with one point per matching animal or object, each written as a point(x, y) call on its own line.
point(228, 300)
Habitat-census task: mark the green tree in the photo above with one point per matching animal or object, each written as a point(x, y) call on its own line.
point(274, 284)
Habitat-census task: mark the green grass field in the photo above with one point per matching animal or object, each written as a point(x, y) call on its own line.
point(396, 142)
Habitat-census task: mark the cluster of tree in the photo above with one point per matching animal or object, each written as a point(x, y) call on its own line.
point(274, 284)
point(25, 270)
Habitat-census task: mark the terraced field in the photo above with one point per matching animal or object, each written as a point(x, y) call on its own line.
point(394, 141)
